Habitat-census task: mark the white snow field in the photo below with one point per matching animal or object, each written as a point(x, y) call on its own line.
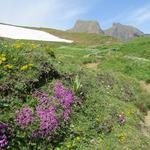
point(13, 32)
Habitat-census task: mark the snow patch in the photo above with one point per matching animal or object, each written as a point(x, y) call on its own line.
point(13, 32)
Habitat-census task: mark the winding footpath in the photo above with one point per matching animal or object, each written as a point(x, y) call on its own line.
point(146, 124)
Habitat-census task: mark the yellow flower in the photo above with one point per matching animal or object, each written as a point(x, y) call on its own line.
point(30, 65)
point(26, 67)
point(78, 138)
point(8, 66)
point(2, 58)
point(97, 119)
point(131, 111)
point(121, 137)
point(17, 45)
point(33, 46)
point(69, 146)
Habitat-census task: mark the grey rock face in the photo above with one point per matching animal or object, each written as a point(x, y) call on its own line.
point(123, 32)
point(87, 26)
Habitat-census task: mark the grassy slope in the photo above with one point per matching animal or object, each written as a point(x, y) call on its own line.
point(81, 38)
point(119, 92)
point(113, 88)
point(132, 59)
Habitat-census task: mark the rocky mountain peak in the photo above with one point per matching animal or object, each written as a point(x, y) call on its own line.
point(87, 26)
point(123, 32)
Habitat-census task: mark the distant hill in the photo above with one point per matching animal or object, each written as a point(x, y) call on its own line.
point(82, 38)
point(87, 26)
point(147, 35)
point(123, 32)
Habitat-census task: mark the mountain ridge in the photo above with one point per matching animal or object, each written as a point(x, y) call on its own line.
point(118, 30)
point(123, 32)
point(87, 26)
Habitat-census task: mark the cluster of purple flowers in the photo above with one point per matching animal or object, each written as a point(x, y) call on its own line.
point(48, 119)
point(121, 119)
point(66, 114)
point(3, 135)
point(43, 98)
point(49, 111)
point(24, 117)
point(46, 112)
point(66, 99)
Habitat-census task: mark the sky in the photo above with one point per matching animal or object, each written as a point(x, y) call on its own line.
point(62, 14)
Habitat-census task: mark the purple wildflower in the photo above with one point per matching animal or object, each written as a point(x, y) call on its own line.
point(3, 136)
point(59, 90)
point(67, 99)
point(24, 117)
point(3, 141)
point(64, 96)
point(3, 126)
point(121, 119)
point(46, 111)
point(43, 97)
point(48, 120)
point(66, 114)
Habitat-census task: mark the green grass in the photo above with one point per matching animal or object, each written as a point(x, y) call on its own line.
point(82, 38)
point(132, 59)
point(111, 89)
point(138, 47)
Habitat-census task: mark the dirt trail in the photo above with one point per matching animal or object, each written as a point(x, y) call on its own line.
point(91, 65)
point(137, 58)
point(146, 125)
point(145, 86)
point(147, 119)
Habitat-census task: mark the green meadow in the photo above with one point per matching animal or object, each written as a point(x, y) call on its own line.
point(103, 73)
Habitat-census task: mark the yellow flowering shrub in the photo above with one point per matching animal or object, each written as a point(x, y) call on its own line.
point(17, 45)
point(121, 137)
point(26, 67)
point(2, 58)
point(8, 66)
point(33, 46)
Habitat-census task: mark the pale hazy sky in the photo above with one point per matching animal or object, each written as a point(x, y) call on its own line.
point(62, 14)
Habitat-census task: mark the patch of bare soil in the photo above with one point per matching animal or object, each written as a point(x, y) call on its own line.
point(91, 65)
point(146, 124)
point(145, 86)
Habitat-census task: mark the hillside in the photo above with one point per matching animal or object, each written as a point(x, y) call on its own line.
point(82, 38)
point(86, 95)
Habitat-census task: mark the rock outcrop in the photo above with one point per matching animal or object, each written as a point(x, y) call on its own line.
point(123, 32)
point(87, 26)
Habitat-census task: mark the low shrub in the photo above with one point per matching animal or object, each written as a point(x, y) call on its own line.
point(23, 67)
point(46, 120)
